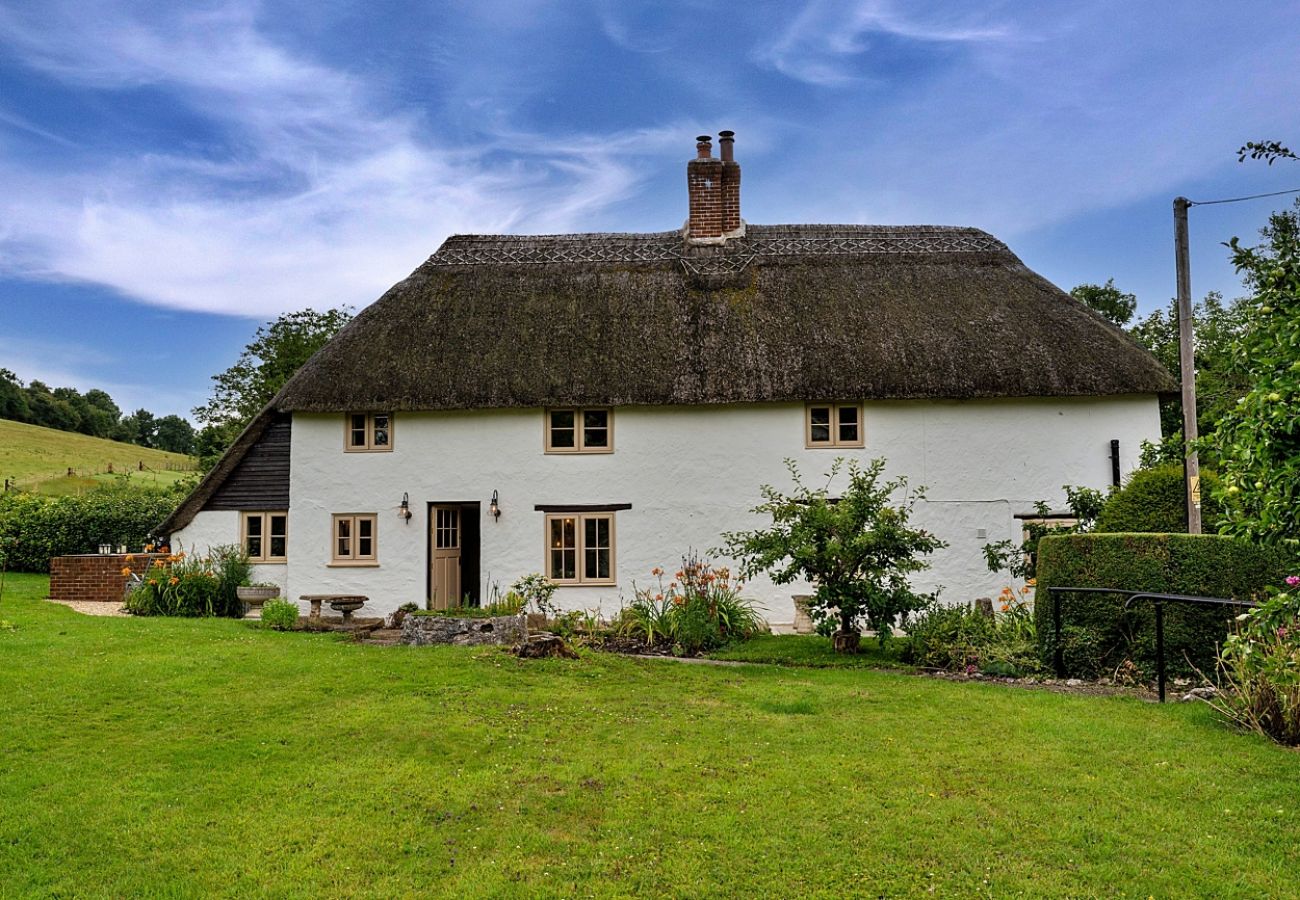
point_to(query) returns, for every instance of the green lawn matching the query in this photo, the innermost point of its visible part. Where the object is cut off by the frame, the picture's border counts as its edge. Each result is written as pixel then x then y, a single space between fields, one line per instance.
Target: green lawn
pixel 812 651
pixel 39 458
pixel 186 758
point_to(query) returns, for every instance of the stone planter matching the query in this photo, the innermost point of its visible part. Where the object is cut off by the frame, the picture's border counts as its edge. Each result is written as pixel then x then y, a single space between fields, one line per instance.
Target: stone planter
pixel 803 623
pixel 420 631
pixel 254 597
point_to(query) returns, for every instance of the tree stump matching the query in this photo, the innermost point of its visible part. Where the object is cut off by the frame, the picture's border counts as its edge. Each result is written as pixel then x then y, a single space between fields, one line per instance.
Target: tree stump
pixel 984 606
pixel 544 644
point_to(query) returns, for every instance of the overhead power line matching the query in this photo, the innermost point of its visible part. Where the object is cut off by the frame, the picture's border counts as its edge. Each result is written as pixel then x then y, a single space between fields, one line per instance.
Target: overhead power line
pixel 1239 199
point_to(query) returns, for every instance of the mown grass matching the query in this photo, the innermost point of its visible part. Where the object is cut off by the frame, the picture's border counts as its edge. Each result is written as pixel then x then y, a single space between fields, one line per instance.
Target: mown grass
pixel 185 758
pixel 38 459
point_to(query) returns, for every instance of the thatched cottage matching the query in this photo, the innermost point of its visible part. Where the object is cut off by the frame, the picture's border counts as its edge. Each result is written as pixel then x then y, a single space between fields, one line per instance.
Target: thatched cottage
pixel 591 406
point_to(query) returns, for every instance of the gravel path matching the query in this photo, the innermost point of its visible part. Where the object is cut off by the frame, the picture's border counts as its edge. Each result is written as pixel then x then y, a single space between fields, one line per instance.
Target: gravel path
pixel 91 608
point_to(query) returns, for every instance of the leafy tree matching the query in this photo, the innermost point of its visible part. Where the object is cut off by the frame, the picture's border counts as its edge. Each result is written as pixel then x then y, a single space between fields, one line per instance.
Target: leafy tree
pixel 1216 326
pixel 1271 151
pixel 857 550
pixel 138 428
pixel 277 351
pixel 50 411
pixel 175 434
pixel 13 398
pixel 1108 300
pixel 1258 439
pixel 102 411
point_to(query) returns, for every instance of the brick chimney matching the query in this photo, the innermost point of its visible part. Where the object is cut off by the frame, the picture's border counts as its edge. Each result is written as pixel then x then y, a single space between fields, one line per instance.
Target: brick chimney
pixel 731 224
pixel 704 188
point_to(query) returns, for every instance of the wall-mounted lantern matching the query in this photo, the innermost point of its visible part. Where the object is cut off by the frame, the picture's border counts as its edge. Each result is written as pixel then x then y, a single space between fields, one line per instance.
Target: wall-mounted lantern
pixel 494 508
pixel 404 511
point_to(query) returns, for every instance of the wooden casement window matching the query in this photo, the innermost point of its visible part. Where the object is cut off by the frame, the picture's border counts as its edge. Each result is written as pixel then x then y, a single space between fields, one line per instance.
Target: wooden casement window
pixel 355 540
pixel 368 432
pixel 579 431
pixel 265 536
pixel 833 425
pixel 580 548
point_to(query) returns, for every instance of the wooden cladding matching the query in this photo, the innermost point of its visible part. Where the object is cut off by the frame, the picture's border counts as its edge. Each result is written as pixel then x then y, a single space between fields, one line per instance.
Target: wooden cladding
pixel 261 480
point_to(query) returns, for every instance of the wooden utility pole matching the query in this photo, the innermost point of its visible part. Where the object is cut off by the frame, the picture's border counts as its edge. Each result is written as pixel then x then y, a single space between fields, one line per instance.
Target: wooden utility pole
pixel 1187 365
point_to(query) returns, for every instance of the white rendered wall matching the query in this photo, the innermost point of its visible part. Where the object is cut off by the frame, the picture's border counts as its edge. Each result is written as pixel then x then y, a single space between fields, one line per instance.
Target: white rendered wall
pixel 690 474
pixel 213 528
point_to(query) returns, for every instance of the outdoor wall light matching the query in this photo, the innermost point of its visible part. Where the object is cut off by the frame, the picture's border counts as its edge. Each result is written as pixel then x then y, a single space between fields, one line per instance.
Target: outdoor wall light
pixel 494 508
pixel 404 511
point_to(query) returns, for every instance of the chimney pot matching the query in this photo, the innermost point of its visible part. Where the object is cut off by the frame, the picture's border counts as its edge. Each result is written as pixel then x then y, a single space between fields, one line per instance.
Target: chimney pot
pixel 704 147
pixel 726 145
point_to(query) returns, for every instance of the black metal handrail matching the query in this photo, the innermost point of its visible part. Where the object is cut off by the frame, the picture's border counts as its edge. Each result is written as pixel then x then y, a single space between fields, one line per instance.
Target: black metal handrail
pixel 1159 600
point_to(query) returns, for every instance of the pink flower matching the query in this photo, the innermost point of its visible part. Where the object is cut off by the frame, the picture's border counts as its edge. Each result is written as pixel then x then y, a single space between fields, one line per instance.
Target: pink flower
pixel 1292 580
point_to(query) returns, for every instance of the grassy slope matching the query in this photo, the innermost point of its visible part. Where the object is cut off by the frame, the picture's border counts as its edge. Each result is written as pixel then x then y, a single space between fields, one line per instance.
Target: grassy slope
pixel 194 757
pixel 37 457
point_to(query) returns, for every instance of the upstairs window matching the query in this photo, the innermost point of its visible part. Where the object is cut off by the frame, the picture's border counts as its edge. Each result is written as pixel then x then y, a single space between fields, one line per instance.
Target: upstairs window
pixel 265 536
pixel 833 425
pixel 369 431
pixel 355 540
pixel 580 548
pixel 579 431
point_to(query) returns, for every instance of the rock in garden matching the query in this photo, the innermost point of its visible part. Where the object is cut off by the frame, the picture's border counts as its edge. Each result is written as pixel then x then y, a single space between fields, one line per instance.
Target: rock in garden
pixel 1204 692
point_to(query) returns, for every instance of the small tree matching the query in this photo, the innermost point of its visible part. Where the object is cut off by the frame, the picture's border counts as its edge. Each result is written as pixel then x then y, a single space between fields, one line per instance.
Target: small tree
pixel 857 549
pixel 1110 301
pixel 1258 439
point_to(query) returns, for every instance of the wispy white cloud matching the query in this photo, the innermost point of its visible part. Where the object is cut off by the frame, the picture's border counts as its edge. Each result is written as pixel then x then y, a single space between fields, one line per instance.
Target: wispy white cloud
pixel 826 42
pixel 351 195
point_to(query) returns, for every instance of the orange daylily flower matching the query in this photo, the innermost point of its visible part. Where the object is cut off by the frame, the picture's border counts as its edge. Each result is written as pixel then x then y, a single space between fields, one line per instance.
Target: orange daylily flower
pixel 173 580
pixel 126 570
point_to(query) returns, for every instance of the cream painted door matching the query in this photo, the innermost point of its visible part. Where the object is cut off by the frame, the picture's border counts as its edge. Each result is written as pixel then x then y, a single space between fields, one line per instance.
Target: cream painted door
pixel 444 559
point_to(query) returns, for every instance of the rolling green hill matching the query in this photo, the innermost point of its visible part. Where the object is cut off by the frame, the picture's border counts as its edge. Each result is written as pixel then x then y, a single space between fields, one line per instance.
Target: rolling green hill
pixel 39 458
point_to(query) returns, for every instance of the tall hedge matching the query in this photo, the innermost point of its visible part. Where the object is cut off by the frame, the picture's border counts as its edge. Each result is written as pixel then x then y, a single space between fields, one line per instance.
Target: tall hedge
pixel 1152 500
pixel 34 528
pixel 1098 634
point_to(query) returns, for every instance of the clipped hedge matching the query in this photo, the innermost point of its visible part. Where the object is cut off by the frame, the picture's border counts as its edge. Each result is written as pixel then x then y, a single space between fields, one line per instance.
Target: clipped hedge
pixel 1152 500
pixel 34 528
pixel 1098 634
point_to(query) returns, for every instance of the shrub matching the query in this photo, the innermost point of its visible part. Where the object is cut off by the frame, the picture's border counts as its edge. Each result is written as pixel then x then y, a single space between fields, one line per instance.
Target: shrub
pixel 962 638
pixel 279 615
pixel 511 604
pixel 1259 668
pixel 43 527
pixel 536 591
pixel 183 585
pixel 858 550
pixel 700 610
pixel 1098 634
pixel 1152 500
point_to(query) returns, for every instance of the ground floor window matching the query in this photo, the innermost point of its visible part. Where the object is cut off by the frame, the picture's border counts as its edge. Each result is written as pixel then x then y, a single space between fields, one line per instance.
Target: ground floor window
pixel 355 539
pixel 265 536
pixel 580 548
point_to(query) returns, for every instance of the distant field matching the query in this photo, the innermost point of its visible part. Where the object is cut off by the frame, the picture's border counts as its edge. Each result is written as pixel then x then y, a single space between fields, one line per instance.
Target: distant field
pixel 39 458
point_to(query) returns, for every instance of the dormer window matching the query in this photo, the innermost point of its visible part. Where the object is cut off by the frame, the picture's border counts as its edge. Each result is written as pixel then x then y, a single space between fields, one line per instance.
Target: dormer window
pixel 368 432
pixel 833 425
pixel 579 431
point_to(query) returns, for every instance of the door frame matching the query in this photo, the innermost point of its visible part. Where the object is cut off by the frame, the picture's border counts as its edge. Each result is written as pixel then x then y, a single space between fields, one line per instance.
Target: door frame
pixel 468 547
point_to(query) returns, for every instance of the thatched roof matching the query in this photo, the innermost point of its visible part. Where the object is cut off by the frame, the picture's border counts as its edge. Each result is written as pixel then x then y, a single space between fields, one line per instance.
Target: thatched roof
pixel 786 313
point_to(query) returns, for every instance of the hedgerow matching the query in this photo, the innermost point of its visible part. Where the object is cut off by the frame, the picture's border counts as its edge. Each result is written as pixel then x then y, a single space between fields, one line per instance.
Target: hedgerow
pixel 34 528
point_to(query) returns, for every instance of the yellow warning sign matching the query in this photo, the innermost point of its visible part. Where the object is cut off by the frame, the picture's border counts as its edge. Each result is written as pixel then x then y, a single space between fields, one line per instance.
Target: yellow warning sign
pixel 1195 485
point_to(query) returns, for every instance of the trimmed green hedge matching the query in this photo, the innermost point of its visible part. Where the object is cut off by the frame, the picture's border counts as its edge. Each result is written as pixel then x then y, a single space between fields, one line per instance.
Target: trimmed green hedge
pixel 34 528
pixel 1152 501
pixel 1098 634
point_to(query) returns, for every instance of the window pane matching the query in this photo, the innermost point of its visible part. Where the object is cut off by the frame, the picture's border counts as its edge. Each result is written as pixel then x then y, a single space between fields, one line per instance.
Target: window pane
pixel 277 547
pixel 819 424
pixel 570 567
pixel 602 564
pixel 589 565
pixel 343 533
pixel 381 431
pixel 562 429
pixel 595 428
pixel 557 564
pixel 357 431
pixel 253 546
pixel 365 537
pixel 254 526
pixel 848 432
pixel 344 550
pixel 365 547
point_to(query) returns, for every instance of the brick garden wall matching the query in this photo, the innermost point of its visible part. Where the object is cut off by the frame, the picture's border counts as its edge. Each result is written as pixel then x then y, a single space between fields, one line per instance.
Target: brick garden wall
pixel 95 577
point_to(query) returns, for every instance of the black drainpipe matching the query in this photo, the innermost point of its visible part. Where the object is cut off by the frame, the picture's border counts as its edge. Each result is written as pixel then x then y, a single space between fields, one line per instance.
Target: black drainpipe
pixel 1114 463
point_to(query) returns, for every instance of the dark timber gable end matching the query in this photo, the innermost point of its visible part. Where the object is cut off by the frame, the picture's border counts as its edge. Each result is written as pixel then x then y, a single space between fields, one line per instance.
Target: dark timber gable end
pixel 261 480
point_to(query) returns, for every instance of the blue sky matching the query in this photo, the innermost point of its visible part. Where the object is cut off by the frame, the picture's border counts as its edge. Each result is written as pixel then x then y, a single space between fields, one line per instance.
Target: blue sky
pixel 171 174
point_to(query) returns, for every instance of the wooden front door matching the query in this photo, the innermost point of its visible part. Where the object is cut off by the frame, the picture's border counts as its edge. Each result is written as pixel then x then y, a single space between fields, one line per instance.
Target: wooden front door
pixel 444 558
